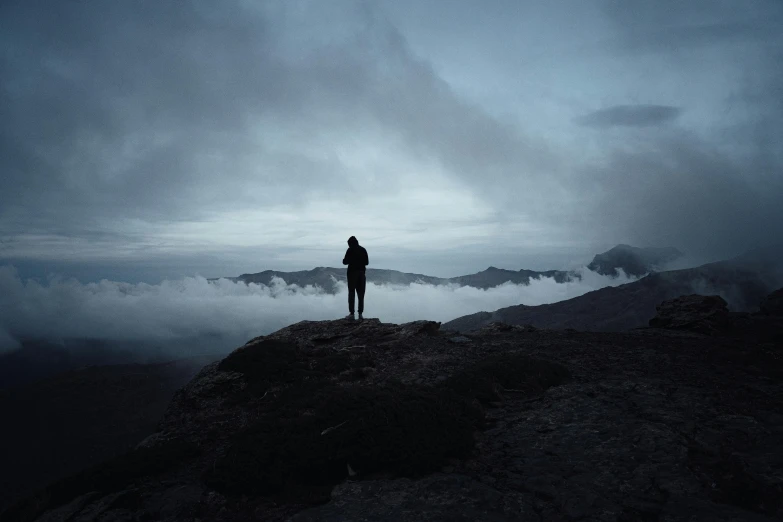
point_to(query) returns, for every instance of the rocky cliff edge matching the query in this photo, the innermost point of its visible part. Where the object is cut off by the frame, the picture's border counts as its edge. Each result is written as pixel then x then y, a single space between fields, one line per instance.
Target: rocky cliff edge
pixel 341 420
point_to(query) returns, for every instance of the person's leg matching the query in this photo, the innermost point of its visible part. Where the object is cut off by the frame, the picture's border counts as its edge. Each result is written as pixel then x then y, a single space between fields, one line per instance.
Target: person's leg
pixel 351 291
pixel 361 284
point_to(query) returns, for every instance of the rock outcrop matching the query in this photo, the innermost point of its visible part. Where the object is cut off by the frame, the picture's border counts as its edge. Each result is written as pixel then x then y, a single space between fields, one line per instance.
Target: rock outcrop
pixel 773 304
pixel 708 314
pixel 341 420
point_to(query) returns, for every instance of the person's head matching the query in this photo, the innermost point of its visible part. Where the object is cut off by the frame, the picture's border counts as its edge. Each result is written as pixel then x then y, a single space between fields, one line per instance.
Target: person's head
pixel 352 241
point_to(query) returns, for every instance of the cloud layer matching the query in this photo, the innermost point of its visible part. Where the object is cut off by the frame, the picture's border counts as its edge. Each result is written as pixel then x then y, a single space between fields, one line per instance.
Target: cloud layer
pixel 272 132
pixel 228 314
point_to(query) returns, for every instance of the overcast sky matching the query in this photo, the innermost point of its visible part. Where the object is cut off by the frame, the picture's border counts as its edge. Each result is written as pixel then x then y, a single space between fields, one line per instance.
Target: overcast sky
pixel 141 140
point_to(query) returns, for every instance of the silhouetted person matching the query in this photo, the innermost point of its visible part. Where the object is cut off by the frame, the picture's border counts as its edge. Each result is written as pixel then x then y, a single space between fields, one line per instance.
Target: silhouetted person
pixel 356 259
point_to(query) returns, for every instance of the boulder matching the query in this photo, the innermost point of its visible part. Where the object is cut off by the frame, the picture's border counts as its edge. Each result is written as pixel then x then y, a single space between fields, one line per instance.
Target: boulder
pixel 707 314
pixel 773 303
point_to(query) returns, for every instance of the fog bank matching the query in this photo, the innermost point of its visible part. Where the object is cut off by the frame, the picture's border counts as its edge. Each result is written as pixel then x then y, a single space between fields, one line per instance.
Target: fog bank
pixel 175 312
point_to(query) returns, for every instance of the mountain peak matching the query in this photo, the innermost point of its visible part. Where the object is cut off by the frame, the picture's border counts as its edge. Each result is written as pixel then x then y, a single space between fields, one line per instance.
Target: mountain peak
pixel 632 260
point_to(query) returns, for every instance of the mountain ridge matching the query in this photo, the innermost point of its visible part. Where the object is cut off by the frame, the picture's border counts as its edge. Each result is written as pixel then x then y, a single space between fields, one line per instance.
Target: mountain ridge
pixel 630 260
pixel 328 277
pixel 632 304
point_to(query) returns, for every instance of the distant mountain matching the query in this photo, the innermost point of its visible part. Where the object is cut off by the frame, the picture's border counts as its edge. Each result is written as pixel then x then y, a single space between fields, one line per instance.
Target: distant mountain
pixel 632 260
pixel 767 261
pixel 326 277
pixel 492 277
pixel 633 304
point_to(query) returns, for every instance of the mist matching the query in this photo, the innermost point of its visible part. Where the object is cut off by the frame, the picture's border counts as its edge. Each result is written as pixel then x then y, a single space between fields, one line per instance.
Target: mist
pixel 195 314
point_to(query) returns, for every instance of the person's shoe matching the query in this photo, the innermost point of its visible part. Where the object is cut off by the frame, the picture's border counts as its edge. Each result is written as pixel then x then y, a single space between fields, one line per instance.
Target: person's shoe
pixel 350 317
pixel 360 316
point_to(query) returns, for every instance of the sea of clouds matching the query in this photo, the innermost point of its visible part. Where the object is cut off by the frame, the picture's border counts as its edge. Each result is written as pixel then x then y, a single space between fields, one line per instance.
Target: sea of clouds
pixel 225 314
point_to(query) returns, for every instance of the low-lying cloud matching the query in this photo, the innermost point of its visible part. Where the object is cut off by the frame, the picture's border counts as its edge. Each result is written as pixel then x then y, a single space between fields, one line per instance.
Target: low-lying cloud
pixel 227 314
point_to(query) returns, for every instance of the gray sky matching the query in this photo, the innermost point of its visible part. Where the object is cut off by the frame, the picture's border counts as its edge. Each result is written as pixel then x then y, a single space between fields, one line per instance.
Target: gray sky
pixel 143 140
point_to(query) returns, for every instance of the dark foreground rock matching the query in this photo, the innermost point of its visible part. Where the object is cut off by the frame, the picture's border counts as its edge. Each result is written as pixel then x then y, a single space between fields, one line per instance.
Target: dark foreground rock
pixel 52 428
pixel 339 420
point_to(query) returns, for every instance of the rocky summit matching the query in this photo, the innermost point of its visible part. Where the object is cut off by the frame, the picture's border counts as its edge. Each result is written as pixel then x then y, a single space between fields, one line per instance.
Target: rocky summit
pixel 342 420
pixel 632 260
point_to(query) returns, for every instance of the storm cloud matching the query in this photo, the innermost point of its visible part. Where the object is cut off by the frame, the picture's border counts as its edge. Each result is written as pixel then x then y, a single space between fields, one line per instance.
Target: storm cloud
pixel 235 137
pixel 630 116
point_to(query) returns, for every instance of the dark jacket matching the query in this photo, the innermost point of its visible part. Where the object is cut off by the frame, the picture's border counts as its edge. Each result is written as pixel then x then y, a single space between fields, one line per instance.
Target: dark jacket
pixel 356 258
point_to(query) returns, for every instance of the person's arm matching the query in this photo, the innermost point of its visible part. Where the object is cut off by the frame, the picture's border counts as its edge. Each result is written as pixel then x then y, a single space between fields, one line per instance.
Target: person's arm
pixel 345 259
pixel 366 258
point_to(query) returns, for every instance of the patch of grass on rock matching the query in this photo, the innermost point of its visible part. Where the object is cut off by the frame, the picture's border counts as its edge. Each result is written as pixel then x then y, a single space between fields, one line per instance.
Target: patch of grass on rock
pixel 301 448
pixel 487 380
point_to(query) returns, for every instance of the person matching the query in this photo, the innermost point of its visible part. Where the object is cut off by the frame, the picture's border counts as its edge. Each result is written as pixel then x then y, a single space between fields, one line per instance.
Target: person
pixel 356 259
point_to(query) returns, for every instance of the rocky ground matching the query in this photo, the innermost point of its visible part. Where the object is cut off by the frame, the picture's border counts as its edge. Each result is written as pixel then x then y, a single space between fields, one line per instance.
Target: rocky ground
pixel 341 420
pixel 54 427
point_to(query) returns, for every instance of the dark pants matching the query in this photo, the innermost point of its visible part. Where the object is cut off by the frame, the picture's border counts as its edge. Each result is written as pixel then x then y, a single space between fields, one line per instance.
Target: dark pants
pixel 356 284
